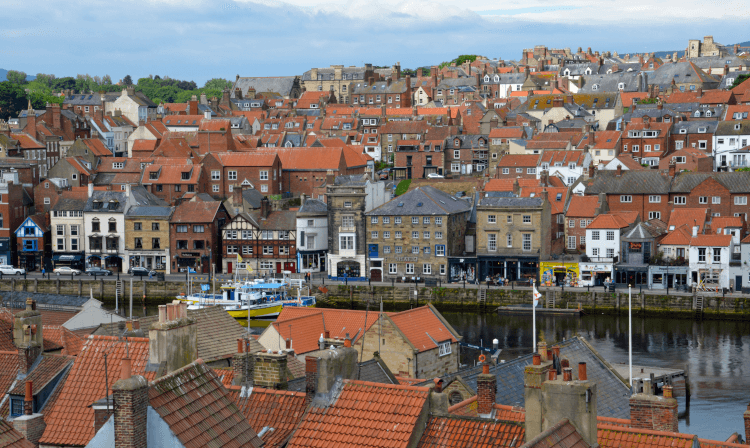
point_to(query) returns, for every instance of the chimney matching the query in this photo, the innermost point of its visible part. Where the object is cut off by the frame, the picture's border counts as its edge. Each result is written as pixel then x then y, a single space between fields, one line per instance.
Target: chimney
pixel 270 370
pixel 516 186
pixel 127 190
pixel 700 91
pixel 557 101
pixel 648 411
pixel 91 189
pixel 672 169
pixel 330 178
pixel 193 105
pixel 324 367
pixel 31 120
pixel 243 363
pixel 486 389
pixel 238 93
pixel 207 115
pixel 438 400
pixel 27 336
pixel 534 377
pixel 574 399
pixel 173 339
pixel 130 396
pixel 265 207
pixel 569 98
pixel 30 425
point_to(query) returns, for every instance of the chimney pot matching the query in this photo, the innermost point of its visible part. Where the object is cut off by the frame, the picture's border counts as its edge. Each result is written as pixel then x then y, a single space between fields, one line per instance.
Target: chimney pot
pixel 542 350
pixel 288 343
pixel 552 374
pixel 328 334
pixel 162 313
pixel 537 359
pixel 582 371
pixel 28 401
pixel 567 374
pixel 127 369
pixel 564 363
pixel 347 342
pixel 438 385
pixel 667 391
pixel 556 350
pixel 240 346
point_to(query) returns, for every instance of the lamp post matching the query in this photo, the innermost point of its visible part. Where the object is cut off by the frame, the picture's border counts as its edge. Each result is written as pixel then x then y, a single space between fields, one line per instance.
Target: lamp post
pixel 630 338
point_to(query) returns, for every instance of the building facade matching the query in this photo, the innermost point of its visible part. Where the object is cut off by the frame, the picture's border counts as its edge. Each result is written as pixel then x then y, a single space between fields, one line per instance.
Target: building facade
pixel 147 237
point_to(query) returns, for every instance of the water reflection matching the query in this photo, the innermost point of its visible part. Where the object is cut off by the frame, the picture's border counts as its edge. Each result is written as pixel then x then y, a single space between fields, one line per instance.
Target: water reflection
pixel 716 354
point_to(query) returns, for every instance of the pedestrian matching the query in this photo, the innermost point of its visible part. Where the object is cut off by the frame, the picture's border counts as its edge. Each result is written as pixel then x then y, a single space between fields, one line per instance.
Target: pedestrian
pixel 43 271
pixel 150 275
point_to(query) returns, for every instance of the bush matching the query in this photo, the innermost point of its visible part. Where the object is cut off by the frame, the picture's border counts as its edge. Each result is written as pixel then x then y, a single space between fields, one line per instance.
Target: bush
pixel 403 187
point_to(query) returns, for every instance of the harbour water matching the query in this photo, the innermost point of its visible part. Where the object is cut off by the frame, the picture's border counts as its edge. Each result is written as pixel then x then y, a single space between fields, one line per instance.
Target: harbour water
pixel 715 353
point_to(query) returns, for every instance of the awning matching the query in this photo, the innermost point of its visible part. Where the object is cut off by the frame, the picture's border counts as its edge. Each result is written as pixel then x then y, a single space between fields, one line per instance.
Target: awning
pixel 60 257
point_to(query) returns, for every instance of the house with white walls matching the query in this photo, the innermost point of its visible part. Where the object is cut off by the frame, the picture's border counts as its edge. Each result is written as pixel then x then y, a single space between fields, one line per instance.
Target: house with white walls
pixel 709 259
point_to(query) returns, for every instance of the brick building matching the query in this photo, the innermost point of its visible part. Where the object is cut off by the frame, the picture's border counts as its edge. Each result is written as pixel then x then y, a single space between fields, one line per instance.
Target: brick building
pixel 646 141
pixel 194 238
pixel 47 193
pixel 172 183
pixel 223 172
pixel 147 237
pixel 581 211
pixel 416 160
pixel 512 166
pixel 393 131
pixel 394 93
pixel 414 234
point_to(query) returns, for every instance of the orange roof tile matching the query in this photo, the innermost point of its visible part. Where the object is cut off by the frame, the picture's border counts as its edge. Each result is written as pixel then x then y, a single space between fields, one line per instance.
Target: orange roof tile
pixel 25 141
pixel 215 125
pixel 408 381
pixel 365 415
pixel 199 410
pixel 421 326
pixel 171 174
pixel 562 434
pixel 628 97
pixel 8 369
pixel 278 409
pixel 688 216
pixel 508 132
pixel 71 420
pixel 183 120
pixel 141 145
pixel 457 432
pixel 11 438
pixel 196 211
pixel 716 97
pixel 608 221
pixel 582 206
pixel 355 157
pixel 309 158
pixel 507 184
pixel 610 436
pixel 711 240
pixel 519 160
pixel 97 147
pixel 62 338
pixel 49 367
pixel 677 237
pixel 304 331
pixel 722 222
pixel 337 322
pixel 736 108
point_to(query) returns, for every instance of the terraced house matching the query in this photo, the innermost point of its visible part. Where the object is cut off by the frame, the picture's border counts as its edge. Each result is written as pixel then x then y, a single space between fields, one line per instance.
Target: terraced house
pixel 147 237
pixel 414 235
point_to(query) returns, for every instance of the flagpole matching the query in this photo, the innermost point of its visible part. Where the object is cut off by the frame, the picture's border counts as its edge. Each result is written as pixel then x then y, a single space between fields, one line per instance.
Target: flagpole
pixel 533 315
pixel 630 338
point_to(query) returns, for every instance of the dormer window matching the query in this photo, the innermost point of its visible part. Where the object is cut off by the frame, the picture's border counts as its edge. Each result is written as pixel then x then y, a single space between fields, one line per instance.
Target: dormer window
pixel 486 78
pixel 708 113
pixel 186 175
pixel 621 86
pixel 153 175
pixel 497 78
pixel 683 131
pixel 595 87
pixel 118 165
pixel 701 130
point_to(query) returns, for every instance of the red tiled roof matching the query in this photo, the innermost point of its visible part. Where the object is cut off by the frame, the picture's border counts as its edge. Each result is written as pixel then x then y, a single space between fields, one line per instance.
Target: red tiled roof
pixel 215 125
pixel 71 420
pixel 507 132
pixel 278 409
pixel 722 222
pixel 176 107
pixel 337 322
pixel 460 432
pixel 556 206
pixel 10 438
pixel 562 434
pixel 198 409
pixel 507 184
pixel 629 162
pixel 421 326
pixel 304 331
pixel 355 157
pixel 628 97
pixel 309 158
pixel 609 221
pixel 610 436
pixel 141 145
pixel 466 408
pixel 196 212
pixel 8 369
pixel 365 415
pixel 97 147
pixel 225 375
pixel 171 174
pixel 183 120
pixel 736 108
pixel 688 216
pixel 582 206
pixel 63 338
pixel 716 97
pixel 677 237
pixel 48 368
pixel 542 144
pixel 711 240
pixel 25 141
pixel 519 160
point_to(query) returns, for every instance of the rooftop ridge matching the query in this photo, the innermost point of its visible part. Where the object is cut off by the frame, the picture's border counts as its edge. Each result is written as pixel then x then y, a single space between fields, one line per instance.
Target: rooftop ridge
pixel 386 386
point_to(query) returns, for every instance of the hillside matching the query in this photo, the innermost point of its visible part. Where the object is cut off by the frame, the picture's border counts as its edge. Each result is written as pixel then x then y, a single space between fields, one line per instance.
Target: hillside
pixel 4 72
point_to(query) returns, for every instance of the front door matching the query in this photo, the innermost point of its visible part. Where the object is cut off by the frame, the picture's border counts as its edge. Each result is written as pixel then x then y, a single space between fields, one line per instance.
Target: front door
pixel 737 282
pixel 278 267
pixel 373 250
pixel 229 267
pixel 376 275
pixel 289 266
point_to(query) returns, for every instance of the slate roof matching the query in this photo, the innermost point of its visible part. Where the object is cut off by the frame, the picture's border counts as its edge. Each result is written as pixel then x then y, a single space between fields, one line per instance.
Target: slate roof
pixel 692 127
pixel 199 410
pixel 328 73
pixel 49 367
pixel 376 371
pixel 276 220
pixel 387 414
pixel 313 206
pixel 150 211
pixel 71 421
pixel 680 72
pixel 114 200
pixel 633 182
pixel 278 410
pixel 610 82
pixel 613 394
pixel 432 200
pixel 728 127
pixel 460 432
pixel 19 298
pixel 10 438
pixel 510 202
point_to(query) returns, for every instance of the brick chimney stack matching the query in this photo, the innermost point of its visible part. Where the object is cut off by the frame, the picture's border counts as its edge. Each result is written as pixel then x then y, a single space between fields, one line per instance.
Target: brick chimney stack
pixel 533 378
pixel 648 411
pixel 270 370
pixel 438 400
pixel 243 363
pixel 619 170
pixel 324 367
pixel 130 405
pixel 486 389
pixel 27 336
pixel 30 425
pixel 574 399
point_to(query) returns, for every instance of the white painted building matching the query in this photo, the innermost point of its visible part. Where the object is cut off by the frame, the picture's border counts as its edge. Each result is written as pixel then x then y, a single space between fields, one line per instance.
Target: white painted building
pixel 709 258
pixel 730 136
pixel 603 238
pixel 312 235
pixel 66 225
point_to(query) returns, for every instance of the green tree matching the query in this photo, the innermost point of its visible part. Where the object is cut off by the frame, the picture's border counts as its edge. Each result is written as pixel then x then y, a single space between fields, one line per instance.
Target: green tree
pixel 739 80
pixel 12 100
pixel 127 80
pixel 217 84
pixel 465 58
pixel 16 77
pixel 106 80
pixel 45 79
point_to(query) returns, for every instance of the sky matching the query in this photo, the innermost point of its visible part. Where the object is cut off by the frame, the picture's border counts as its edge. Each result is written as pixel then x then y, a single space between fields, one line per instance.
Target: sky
pixel 203 39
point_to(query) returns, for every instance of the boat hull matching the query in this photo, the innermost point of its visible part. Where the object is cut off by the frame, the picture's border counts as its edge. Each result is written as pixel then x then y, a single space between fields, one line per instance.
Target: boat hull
pixel 270 311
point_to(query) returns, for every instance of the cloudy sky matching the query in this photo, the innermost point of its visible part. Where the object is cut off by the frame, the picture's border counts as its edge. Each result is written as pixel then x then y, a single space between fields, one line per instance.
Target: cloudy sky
pixel 201 39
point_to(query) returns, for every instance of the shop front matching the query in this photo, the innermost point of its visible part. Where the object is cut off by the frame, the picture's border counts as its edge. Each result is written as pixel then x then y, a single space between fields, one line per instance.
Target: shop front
pixel 188 262
pixel 555 273
pixel 311 261
pixel 113 263
pixel 462 268
pixel 661 277
pixel 348 269
pixel 512 269
pixel 75 261
pixel 595 274
pixel 151 260
pixel 636 276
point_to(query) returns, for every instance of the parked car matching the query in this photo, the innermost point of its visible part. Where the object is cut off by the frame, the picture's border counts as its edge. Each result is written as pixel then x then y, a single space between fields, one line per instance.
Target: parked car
pixel 435 176
pixel 98 271
pixel 140 271
pixel 66 270
pixel 6 269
